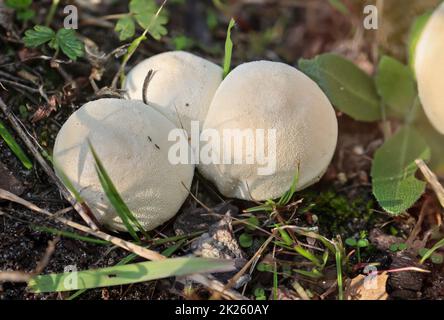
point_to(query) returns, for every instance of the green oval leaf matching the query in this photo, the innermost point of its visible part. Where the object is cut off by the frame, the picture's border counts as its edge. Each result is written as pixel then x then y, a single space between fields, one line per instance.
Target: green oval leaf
pixel 245 240
pixel 396 85
pixel 349 88
pixel 393 171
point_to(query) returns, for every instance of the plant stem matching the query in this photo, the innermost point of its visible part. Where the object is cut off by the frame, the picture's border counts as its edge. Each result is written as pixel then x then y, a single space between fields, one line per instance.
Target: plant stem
pixel 52 11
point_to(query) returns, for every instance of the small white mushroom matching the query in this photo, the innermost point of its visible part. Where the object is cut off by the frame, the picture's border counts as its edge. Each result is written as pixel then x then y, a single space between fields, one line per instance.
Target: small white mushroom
pixel 182 86
pixel 429 68
pixel 269 95
pixel 131 139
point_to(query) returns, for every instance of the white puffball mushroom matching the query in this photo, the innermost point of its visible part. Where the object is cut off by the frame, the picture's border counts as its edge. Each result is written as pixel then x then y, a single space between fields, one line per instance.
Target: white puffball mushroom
pixel 270 95
pixel 429 68
pixel 182 86
pixel 131 140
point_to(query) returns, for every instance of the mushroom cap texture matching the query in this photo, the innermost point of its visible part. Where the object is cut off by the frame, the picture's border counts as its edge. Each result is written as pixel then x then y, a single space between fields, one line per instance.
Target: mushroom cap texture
pixel 429 68
pixel 182 87
pixel 131 140
pixel 271 95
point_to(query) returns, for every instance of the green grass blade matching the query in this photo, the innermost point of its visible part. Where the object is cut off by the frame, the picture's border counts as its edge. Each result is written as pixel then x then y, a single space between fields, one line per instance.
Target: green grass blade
pixel 228 48
pixel 285 199
pixel 275 282
pixel 15 148
pixel 168 252
pixel 116 200
pixel 314 274
pixel 68 184
pixel 68 234
pixel 122 262
pixel 307 255
pixel 127 274
pixel 338 257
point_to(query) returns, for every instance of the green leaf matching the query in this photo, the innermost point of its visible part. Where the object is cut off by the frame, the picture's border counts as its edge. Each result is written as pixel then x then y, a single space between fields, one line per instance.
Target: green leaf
pixel 351 242
pixel 396 85
pixel 228 48
pixel 252 223
pixel 18 4
pixel 69 43
pixel 264 267
pixel 126 274
pixel 25 15
pixel 245 240
pixel 182 42
pixel 158 29
pixel 340 6
pixel 415 34
pixel 349 88
pixel 125 27
pixel 436 259
pixel 425 254
pixel 362 243
pixel 15 148
pixel 37 36
pixel 393 171
pixel 144 11
pixel 259 294
pixel 114 197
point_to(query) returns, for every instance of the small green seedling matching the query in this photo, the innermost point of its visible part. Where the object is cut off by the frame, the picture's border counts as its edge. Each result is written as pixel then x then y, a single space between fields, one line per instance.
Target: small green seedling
pixel 259 294
pixel 397 247
pixel 358 244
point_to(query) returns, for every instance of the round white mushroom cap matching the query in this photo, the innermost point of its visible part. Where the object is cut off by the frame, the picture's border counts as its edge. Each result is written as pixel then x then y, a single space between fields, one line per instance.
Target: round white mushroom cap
pixel 182 86
pixel 131 140
pixel 429 68
pixel 269 95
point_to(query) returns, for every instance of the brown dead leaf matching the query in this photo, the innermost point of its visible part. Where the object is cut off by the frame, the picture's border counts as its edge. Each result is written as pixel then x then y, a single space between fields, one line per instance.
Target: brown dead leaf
pixel 46 109
pixel 367 287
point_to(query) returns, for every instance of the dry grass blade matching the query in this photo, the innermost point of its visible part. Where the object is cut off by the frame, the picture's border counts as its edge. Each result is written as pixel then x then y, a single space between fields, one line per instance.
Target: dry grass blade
pixel 129 246
pixel 83 212
pixel 432 179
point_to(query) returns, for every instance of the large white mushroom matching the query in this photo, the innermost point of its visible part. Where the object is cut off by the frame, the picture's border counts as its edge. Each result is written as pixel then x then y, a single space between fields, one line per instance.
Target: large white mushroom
pixel 131 139
pixel 269 95
pixel 182 86
pixel 429 68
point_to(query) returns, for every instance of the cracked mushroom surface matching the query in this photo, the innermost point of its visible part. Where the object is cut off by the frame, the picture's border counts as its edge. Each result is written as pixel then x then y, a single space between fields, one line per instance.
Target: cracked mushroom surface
pixel 429 68
pixel 264 95
pixel 182 85
pixel 131 140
